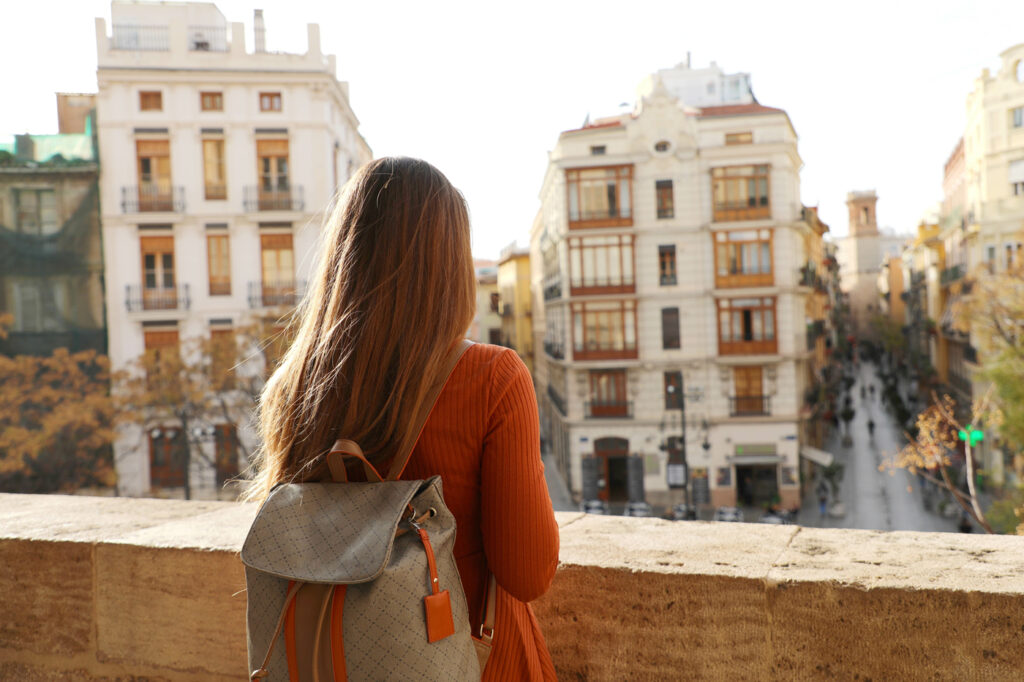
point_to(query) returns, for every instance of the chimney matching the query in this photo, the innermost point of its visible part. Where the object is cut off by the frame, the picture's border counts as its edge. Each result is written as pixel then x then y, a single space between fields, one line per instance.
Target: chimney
pixel 259 31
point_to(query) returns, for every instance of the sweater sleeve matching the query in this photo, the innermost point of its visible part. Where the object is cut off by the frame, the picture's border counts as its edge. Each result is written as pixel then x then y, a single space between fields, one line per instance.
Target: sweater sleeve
pixel 519 530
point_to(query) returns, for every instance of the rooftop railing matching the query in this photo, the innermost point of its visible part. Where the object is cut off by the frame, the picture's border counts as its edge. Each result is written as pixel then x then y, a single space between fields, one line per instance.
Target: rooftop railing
pixel 141 38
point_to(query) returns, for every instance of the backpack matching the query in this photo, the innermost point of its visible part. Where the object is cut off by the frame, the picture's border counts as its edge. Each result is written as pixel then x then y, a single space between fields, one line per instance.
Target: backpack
pixel 357 580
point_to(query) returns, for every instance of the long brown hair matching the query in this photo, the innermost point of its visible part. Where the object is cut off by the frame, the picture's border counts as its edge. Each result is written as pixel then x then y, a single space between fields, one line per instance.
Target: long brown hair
pixel 394 290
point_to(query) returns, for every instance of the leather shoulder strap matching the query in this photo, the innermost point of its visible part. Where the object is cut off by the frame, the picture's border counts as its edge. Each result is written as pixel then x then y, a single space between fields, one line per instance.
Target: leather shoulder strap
pixel 398 465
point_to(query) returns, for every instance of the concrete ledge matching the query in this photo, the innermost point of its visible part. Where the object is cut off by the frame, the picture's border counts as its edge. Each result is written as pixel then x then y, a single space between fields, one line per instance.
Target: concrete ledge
pixel 113 589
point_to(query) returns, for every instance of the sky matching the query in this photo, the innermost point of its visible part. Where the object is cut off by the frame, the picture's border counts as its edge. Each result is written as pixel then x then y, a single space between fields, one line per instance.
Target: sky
pixel 876 90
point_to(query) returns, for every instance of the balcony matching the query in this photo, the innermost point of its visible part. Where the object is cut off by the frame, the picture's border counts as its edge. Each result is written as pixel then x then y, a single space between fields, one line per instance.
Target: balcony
pixel 506 310
pixel 735 280
pixel 750 406
pixel 555 349
pixel 552 290
pixel 275 294
pixel 727 212
pixel 951 274
pixel 762 347
pixel 139 38
pixel 594 352
pixel 152 198
pixel 138 298
pixel 258 199
pixel 632 598
pixel 557 400
pixel 603 286
pixel 815 330
pixel 208 38
pixel 608 409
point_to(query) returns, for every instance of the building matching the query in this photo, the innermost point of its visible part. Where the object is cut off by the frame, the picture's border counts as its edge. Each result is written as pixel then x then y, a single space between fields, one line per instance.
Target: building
pixel 515 303
pixel 861 254
pixel 51 260
pixel 674 268
pixel 486 327
pixel 207 223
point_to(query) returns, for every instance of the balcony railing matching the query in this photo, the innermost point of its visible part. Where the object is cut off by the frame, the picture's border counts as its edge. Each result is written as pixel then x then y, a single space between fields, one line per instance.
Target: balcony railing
pixel 815 330
pixel 594 352
pixel 744 279
pixel 951 274
pixel 208 38
pixel 608 409
pixel 215 191
pixel 152 198
pixel 140 38
pixel 740 347
pixel 750 406
pixel 734 211
pixel 274 294
pixel 506 310
pixel 280 199
pixel 603 285
pixel 139 298
pixel 555 349
pixel 552 290
pixel 556 400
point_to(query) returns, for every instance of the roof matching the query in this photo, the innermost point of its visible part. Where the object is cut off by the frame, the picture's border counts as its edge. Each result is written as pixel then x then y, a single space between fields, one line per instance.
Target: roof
pixel 600 123
pixel 738 110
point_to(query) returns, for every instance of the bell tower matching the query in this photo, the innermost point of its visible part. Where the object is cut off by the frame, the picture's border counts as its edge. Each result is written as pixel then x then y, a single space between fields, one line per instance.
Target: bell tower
pixel 863 222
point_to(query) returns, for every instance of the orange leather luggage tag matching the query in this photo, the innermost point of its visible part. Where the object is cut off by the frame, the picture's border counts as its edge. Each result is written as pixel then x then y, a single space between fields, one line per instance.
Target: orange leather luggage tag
pixel 439 616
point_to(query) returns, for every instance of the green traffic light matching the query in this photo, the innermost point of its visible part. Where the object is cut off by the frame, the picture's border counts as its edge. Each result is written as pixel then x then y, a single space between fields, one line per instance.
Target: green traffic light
pixel 975 435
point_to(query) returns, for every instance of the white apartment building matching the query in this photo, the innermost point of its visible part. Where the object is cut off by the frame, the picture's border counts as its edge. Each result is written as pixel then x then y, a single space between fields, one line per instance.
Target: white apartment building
pixel 218 165
pixel 672 299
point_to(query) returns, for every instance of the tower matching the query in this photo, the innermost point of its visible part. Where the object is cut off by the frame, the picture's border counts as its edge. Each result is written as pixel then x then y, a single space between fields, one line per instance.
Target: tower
pixel 863 221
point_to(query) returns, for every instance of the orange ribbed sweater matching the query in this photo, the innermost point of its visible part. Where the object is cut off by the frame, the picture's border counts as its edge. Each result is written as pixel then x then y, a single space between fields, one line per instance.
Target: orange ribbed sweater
pixel 483 439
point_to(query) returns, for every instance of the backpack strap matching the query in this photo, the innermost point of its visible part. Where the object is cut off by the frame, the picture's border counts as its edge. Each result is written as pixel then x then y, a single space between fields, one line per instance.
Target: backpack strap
pixel 400 462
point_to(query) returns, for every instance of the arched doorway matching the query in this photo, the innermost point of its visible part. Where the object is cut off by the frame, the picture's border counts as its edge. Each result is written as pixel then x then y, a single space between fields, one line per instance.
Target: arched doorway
pixel 612 454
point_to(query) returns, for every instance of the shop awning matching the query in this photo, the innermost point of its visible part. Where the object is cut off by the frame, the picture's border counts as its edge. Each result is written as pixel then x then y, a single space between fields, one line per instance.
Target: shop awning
pixel 744 460
pixel 817 456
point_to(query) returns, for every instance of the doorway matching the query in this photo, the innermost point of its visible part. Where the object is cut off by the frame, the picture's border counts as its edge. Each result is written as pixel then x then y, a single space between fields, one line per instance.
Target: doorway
pixel 612 454
pixel 757 485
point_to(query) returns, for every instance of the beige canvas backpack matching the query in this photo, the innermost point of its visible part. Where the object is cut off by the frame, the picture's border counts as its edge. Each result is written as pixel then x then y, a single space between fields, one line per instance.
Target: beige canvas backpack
pixel 357 580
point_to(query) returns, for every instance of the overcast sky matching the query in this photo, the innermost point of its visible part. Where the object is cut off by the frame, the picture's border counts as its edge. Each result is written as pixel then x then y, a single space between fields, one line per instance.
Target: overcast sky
pixel 876 91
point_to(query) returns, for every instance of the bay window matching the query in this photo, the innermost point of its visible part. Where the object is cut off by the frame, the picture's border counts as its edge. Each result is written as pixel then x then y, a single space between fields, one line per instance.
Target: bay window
pixel 746 326
pixel 601 265
pixel 740 193
pixel 743 258
pixel 604 330
pixel 600 197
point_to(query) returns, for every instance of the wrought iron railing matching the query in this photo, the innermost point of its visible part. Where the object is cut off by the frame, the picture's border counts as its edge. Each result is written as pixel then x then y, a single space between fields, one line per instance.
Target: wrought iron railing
pixel 608 409
pixel 750 405
pixel 556 400
pixel 140 298
pixel 140 38
pixel 274 294
pixel 552 290
pixel 152 198
pixel 951 274
pixel 208 38
pixel 258 198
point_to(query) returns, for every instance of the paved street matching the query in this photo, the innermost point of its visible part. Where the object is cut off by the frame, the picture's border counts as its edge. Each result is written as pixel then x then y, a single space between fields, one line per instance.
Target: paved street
pixel 876 500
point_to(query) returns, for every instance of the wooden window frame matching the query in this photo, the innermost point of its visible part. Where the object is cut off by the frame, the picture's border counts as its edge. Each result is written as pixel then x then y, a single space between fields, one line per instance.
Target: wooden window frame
pixel 281 289
pixel 582 345
pixel 745 401
pixel 211 100
pixel 163 471
pixel 163 295
pixel 271 101
pixel 578 258
pixel 667 264
pixel 734 182
pixel 617 405
pixel 218 286
pixel 745 137
pixel 215 191
pixel 671 336
pixel 225 448
pixel 673 399
pixel 731 246
pixel 624 188
pixel 151 100
pixel 664 195
pixel 733 343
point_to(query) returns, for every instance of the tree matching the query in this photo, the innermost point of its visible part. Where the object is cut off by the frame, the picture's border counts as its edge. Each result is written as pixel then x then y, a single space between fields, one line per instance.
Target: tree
pixel 56 422
pixel 192 389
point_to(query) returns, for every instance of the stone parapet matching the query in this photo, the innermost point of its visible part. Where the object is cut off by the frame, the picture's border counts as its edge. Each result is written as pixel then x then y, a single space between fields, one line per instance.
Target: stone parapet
pixel 113 589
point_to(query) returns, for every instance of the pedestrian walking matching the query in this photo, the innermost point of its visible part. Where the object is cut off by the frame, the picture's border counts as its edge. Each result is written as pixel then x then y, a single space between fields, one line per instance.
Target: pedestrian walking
pixel 871 428
pixel 822 499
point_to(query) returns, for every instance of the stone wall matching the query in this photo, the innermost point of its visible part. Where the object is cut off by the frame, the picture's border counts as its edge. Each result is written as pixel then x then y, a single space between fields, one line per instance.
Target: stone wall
pixel 121 589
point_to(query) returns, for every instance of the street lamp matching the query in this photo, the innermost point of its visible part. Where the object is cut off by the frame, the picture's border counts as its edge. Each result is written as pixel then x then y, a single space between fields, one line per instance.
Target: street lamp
pixel 677 471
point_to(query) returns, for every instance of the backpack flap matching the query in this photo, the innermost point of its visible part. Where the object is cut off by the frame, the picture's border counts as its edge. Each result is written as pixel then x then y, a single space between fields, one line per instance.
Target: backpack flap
pixel 338 533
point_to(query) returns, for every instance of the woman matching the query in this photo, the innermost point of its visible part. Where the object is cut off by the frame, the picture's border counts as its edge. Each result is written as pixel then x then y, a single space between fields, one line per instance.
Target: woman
pixel 394 292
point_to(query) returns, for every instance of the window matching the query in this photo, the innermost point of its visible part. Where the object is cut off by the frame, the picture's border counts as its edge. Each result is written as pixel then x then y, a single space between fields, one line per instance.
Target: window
pixel 226 452
pixel 219 264
pixel 663 191
pixel 495 302
pixel 746 326
pixel 270 101
pixel 604 330
pixel 743 258
pixel 601 264
pixel 662 146
pixel 162 348
pixel 667 264
pixel 494 336
pixel 39 306
pixel 1016 176
pixel 669 328
pixel 608 393
pixel 740 193
pixel 168 457
pixel 158 286
pixel 990 254
pixel 36 211
pixel 278 269
pixel 597 150
pixel 739 138
pixel 274 187
pixel 600 197
pixel 1017 117
pixel 153 158
pixel 211 101
pixel 214 172
pixel 151 100
pixel 673 390
pixel 749 398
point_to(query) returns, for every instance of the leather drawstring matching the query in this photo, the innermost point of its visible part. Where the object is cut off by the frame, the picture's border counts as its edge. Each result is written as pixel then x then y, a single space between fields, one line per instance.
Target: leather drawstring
pixel 261 672
pixel 328 593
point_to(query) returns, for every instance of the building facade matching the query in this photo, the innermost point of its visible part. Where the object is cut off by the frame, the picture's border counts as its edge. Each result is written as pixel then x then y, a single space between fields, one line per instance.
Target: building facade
pixel 207 222
pixel 515 301
pixel 51 260
pixel 486 327
pixel 674 268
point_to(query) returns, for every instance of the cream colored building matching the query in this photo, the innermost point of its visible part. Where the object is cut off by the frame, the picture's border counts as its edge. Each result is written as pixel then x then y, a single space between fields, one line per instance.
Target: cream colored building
pixel 486 327
pixel 219 161
pixel 671 302
pixel 515 302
